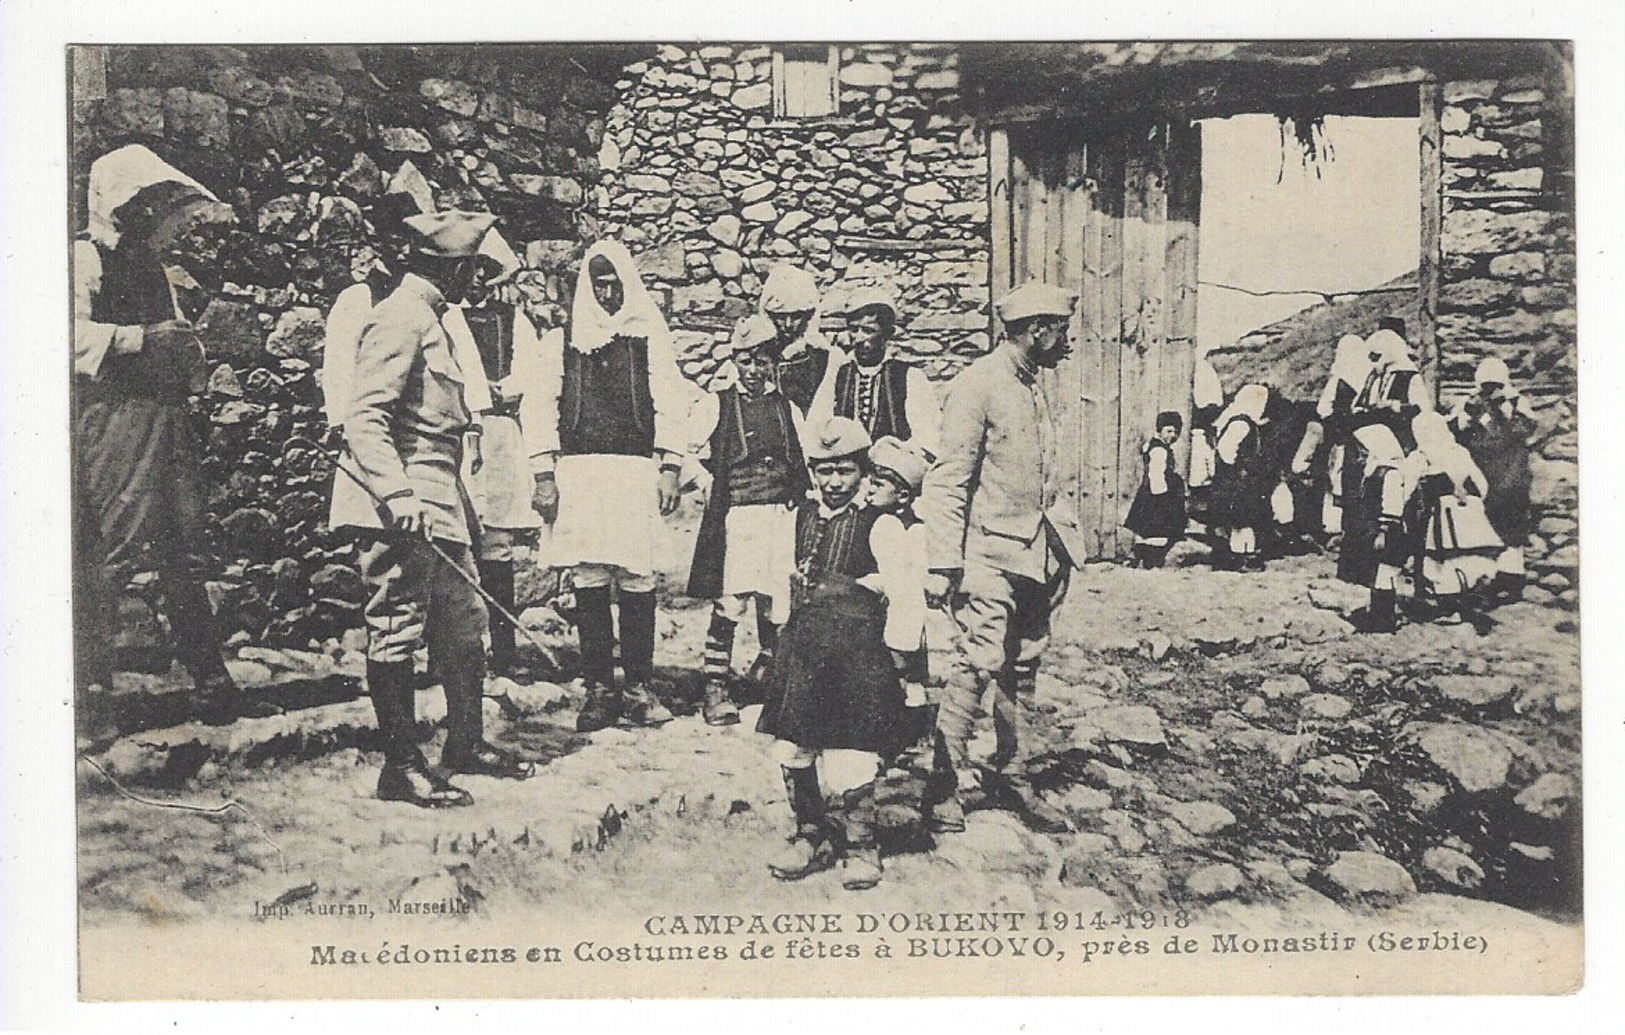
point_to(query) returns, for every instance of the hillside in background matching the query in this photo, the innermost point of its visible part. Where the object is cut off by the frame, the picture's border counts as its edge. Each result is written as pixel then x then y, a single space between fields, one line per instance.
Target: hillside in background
pixel 1295 354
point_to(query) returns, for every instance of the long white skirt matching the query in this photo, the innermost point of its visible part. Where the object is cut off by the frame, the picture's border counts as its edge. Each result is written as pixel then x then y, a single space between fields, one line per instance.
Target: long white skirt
pixel 609 512
pixel 760 553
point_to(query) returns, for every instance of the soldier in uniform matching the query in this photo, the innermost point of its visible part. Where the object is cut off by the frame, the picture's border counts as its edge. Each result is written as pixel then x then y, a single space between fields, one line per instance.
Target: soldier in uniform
pixel 139 496
pixel 889 396
pixel 1002 538
pixel 400 485
pixel 803 357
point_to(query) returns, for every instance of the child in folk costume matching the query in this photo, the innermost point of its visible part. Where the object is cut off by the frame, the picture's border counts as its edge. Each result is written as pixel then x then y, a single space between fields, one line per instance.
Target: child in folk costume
pixel 835 703
pixel 1157 515
pixel 1242 478
pixel 749 439
pixel 1459 547
pixel 499 477
pixel 1495 425
pixel 612 437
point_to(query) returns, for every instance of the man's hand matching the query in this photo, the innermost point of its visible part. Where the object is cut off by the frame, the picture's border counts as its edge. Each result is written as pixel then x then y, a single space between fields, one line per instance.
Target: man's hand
pixel 939 587
pixel 546 497
pixel 410 515
pixel 667 490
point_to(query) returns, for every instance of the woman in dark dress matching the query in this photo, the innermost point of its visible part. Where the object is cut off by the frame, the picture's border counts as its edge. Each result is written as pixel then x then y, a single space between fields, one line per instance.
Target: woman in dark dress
pixel 1495 425
pixel 1242 479
pixel 1157 515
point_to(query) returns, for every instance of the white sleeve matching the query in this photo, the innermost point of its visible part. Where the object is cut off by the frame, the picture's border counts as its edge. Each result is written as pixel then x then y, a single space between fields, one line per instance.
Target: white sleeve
pixel 476 389
pixel 345 322
pixel 924 412
pixel 1156 472
pixel 1231 441
pixel 699 426
pixel 526 379
pixel 901 558
pixel 671 400
pixel 544 443
pixel 91 340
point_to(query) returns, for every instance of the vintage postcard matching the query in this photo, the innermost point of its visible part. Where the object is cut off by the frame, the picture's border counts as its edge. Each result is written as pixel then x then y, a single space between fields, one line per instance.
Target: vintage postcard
pixel 835 518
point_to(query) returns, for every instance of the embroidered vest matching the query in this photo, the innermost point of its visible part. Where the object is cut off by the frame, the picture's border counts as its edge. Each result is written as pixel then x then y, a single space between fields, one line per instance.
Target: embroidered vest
pixel 878 402
pixel 606 405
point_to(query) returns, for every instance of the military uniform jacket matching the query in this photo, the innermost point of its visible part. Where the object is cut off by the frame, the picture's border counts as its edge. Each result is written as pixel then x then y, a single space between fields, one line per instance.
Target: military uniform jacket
pixel 404 431
pixel 996 492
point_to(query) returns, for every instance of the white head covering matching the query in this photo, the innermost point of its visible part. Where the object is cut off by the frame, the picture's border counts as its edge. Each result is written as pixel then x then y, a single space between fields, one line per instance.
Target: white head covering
pixel 1392 351
pixel 1492 370
pixel 638 317
pixel 1249 402
pixel 496 247
pixel 120 175
pixel 1349 367
pixel 836 437
pixel 1206 389
pixel 1380 443
pixel 790 289
pixel 1436 443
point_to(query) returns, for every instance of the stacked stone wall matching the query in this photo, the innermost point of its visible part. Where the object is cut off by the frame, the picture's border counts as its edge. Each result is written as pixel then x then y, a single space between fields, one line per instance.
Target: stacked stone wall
pixel 712 191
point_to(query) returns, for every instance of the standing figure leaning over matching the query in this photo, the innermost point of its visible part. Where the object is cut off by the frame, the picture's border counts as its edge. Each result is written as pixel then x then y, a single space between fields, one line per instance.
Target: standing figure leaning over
pixel 803 357
pixel 139 496
pixel 611 445
pixel 749 439
pixel 499 477
pixel 404 432
pixel 1003 539
pixel 889 396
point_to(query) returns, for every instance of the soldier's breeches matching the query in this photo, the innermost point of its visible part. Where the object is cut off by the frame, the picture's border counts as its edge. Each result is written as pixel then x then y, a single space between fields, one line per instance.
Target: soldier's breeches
pixel 417 597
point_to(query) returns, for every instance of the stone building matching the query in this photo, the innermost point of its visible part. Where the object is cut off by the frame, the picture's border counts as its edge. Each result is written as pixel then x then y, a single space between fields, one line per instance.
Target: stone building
pixel 950 171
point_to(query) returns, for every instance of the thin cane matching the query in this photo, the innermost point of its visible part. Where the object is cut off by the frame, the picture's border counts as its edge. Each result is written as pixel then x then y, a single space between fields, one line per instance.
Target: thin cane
pixel 462 573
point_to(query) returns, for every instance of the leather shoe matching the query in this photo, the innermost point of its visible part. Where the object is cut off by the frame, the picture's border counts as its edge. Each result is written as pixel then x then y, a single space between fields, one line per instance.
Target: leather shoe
pixel 600 710
pixel 488 760
pixel 640 707
pixel 719 709
pixel 414 783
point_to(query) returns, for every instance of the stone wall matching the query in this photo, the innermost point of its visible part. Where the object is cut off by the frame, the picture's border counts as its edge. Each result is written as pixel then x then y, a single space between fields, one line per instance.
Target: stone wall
pixel 299 142
pixel 1507 279
pixel 711 191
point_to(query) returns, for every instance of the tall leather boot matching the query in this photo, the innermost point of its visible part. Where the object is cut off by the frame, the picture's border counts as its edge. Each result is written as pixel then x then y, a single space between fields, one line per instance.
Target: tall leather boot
pixel 197 645
pixel 860 859
pixel 496 578
pixel 595 630
pixel 1380 615
pixel 405 776
pixel 956 722
pixel 640 706
pixel 718 707
pixel 466 750
pixel 810 849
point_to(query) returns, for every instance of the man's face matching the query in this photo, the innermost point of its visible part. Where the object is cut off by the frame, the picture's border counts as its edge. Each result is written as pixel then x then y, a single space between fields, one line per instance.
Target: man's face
pixel 883 493
pixel 459 279
pixel 871 330
pixel 608 290
pixel 790 325
pixel 755 368
pixel 837 481
pixel 1051 340
pixel 1168 433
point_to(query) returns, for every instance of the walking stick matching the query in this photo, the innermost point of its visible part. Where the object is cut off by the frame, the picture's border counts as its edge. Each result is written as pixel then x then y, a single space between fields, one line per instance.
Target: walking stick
pixel 462 572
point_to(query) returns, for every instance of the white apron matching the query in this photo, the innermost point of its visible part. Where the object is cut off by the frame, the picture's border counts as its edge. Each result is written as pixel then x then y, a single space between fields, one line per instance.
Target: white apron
pixel 609 512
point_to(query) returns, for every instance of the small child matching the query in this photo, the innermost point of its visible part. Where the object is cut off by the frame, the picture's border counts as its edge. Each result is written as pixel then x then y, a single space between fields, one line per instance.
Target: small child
pixel 1460 547
pixel 749 440
pixel 835 702
pixel 1157 516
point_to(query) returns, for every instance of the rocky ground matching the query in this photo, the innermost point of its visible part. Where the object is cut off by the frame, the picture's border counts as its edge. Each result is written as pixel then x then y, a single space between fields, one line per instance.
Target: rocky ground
pixel 1222 742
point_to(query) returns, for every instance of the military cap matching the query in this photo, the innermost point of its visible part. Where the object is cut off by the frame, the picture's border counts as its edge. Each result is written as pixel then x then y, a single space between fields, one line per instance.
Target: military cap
pixel 835 438
pixel 869 298
pixel 453 234
pixel 1035 298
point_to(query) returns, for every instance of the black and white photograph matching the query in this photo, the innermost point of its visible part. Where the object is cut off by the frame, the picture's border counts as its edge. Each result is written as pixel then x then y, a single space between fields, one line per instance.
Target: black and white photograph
pixel 842 517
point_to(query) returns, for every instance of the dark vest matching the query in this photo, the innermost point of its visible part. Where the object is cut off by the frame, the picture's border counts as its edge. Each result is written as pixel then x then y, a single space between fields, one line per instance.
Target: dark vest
pixel 755 440
pixel 836 547
pixel 492 328
pixel 135 292
pixel 886 411
pixel 799 377
pixel 1393 386
pixel 606 405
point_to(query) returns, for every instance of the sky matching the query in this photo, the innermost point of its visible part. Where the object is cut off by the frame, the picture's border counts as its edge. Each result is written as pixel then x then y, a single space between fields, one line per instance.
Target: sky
pixel 1356 226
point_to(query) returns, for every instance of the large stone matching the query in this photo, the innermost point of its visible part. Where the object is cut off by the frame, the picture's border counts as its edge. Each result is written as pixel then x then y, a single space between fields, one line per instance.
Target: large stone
pixel 1332 769
pixel 693 184
pixel 648 183
pixel 1453 867
pixel 666 262
pixel 299 334
pixel 1549 797
pixel 134 112
pixel 404 138
pixel 727 263
pixel 1130 724
pixel 757 192
pixel 1285 685
pixel 651 205
pixel 1203 818
pixel 869 137
pixel 927 194
pixel 791 222
pixel 1324 706
pixel 1468 147
pixel 1477 760
pixel 223 382
pixel 1519 266
pixel 203 118
pixel 946 79
pixel 452 95
pixel 230 330
pixel 1215 881
pixel 866 73
pixel 760 213
pixel 1370 879
pixel 1476 690
pixel 725 229
pixel 697 297
pixel 753 97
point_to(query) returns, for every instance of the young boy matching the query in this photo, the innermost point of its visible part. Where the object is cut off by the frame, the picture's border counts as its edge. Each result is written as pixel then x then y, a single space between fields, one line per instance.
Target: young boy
pixel 835 703
pixel 1157 516
pixel 749 440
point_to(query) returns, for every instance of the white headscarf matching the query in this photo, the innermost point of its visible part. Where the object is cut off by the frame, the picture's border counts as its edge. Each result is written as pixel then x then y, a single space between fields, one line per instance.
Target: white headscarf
pixel 1437 445
pixel 1350 367
pixel 638 317
pixel 120 175
pixel 1206 389
pixel 1392 351
pixel 790 289
pixel 1492 370
pixel 1250 402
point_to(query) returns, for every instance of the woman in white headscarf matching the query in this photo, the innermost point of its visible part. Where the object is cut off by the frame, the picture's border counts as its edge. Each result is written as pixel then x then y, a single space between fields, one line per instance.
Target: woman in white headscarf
pixel 1331 430
pixel 609 449
pixel 140 496
pixel 1242 479
pixel 1495 424
pixel 1459 546
pixel 1393 392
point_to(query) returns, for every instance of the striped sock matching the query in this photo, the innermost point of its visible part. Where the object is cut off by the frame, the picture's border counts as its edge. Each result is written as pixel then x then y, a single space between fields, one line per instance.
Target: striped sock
pixel 719 647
